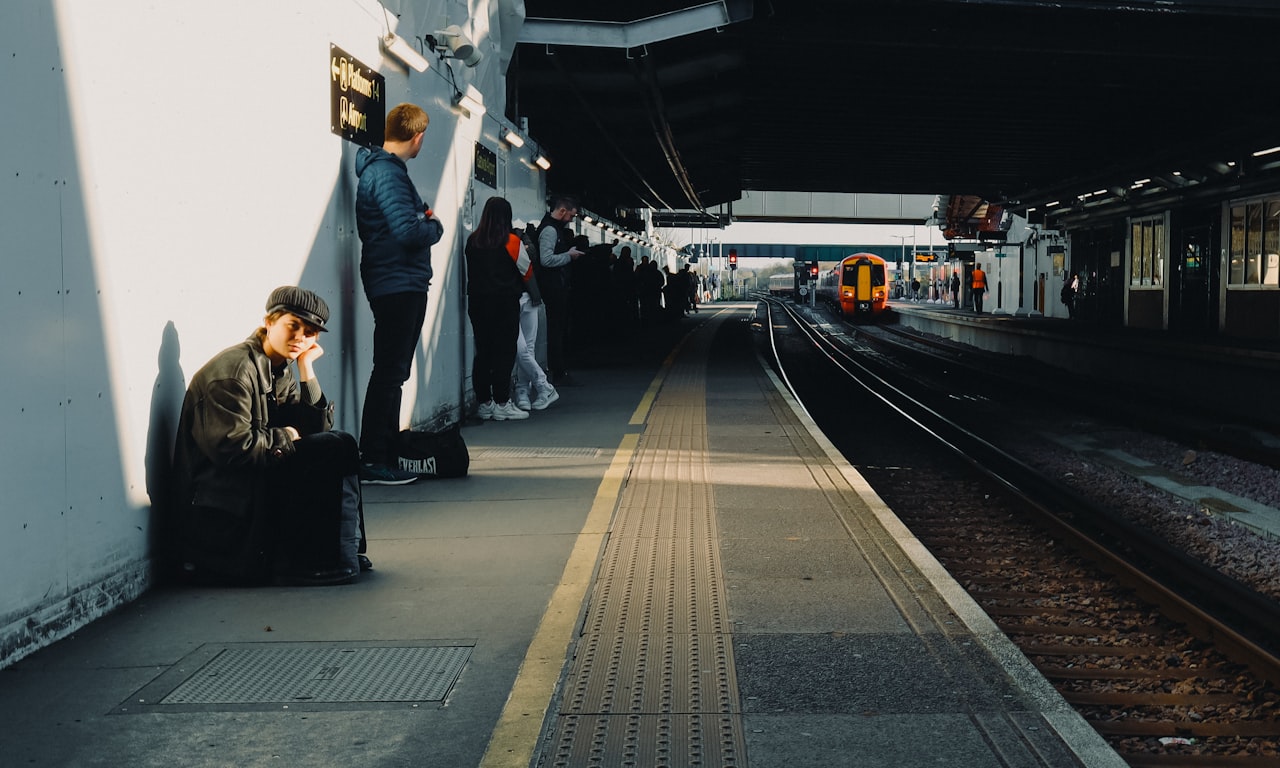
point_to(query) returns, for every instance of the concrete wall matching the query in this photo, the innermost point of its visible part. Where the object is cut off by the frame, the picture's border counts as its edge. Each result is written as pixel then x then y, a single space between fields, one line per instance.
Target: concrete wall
pixel 164 167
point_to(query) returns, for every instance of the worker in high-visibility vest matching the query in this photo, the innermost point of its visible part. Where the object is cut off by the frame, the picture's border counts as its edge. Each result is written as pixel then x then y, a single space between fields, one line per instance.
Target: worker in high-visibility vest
pixel 978 283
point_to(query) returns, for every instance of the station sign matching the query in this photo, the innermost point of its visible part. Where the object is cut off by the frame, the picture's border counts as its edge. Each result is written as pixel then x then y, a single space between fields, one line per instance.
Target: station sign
pixel 357 99
pixel 486 164
pixel 925 257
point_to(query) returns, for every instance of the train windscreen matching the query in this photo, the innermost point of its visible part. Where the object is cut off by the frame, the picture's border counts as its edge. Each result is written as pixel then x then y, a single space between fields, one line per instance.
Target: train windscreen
pixel 851 274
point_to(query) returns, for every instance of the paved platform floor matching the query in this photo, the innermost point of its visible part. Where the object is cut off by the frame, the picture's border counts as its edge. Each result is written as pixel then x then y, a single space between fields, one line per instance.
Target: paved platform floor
pixel 668 567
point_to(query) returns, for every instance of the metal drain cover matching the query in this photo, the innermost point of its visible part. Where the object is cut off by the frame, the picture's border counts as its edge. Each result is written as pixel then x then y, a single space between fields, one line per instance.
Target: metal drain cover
pixel 302 673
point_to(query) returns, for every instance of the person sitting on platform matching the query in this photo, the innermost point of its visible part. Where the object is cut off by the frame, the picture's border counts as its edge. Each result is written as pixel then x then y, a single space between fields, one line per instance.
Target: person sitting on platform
pixel 266 490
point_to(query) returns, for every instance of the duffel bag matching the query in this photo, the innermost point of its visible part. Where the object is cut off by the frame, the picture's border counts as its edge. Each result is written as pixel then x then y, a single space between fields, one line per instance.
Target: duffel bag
pixel 434 454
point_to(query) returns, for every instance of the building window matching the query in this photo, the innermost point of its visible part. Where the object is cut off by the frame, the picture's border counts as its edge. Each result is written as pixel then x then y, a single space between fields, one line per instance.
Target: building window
pixel 1146 250
pixel 1255 243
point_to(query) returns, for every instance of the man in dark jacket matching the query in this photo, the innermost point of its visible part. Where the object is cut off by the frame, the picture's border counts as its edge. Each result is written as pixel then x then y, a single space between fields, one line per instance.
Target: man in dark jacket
pixel 397 231
pixel 264 488
pixel 556 252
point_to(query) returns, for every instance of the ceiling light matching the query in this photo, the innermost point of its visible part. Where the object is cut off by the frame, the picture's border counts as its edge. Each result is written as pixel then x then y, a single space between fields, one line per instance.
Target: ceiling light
pixel 1262 152
pixel 400 48
pixel 542 162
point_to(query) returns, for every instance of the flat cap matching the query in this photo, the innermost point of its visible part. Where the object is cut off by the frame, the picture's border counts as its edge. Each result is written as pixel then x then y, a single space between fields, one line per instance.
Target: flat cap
pixel 302 303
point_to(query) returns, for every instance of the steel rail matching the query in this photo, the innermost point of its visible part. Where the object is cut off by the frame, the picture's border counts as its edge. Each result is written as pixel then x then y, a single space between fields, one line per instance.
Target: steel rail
pixel 1197 429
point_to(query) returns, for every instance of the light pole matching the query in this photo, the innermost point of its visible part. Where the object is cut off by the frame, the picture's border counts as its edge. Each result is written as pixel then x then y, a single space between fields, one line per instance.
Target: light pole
pixel 903 239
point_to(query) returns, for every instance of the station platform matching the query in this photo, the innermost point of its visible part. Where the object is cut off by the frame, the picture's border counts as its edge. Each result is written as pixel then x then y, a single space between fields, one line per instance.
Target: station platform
pixel 1203 374
pixel 670 566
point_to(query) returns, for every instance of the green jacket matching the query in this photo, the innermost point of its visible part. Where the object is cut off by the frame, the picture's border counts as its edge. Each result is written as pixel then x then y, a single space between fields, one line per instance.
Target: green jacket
pixel 230 437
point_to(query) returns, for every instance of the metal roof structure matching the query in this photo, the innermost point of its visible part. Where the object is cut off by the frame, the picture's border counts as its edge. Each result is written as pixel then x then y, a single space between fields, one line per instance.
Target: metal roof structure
pixel 681 105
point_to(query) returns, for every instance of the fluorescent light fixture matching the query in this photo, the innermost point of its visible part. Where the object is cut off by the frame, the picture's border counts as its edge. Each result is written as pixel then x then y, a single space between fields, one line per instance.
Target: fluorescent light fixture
pixel 512 138
pixel 469 103
pixel 542 162
pixel 400 48
pixel 1262 152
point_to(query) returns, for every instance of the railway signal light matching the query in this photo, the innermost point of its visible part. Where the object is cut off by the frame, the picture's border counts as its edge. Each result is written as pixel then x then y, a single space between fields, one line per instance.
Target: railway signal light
pixel 813 271
pixel 733 258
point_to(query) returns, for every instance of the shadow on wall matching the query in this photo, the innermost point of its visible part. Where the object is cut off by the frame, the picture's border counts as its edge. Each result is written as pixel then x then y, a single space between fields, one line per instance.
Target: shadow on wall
pixel 74 547
pixel 340 219
pixel 166 408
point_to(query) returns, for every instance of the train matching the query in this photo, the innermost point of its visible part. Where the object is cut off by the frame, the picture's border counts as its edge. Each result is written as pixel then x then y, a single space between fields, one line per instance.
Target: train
pixel 856 287
pixel 782 284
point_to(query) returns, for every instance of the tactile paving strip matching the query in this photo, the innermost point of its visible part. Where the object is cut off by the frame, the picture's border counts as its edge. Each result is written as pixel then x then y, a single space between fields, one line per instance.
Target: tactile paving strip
pixel 652 683
pixel 323 675
pixel 644 741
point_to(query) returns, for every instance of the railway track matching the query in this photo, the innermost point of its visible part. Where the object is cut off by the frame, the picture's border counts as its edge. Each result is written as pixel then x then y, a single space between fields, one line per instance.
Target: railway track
pixel 1122 631
pixel 1204 426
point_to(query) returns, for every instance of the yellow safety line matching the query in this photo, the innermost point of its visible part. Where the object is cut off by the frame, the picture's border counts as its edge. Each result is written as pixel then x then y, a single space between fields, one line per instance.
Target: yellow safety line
pixel 516 734
pixel 642 409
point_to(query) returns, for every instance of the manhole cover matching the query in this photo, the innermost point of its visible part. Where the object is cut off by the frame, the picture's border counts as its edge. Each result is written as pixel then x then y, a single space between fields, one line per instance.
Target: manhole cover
pixel 302 673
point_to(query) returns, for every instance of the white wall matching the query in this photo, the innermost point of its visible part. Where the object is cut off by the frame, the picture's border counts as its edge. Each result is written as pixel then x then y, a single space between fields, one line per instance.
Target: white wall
pixel 164 167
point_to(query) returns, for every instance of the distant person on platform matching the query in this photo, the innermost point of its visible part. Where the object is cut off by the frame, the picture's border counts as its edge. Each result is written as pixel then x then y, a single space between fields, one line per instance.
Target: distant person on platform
pixel 531 379
pixel 266 491
pixel 955 289
pixel 397 230
pixel 1070 288
pixel 556 252
pixel 497 266
pixel 978 284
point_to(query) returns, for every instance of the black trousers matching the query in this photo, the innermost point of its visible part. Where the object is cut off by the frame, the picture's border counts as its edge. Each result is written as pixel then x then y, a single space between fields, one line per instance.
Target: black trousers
pixel 397 326
pixel 495 322
pixel 555 301
pixel 319 523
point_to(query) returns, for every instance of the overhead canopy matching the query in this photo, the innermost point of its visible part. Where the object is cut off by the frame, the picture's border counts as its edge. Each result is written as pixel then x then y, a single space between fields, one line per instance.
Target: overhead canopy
pixel 1016 101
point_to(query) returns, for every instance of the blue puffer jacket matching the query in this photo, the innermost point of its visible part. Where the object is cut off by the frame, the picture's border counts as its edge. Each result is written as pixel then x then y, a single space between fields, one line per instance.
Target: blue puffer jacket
pixel 395 233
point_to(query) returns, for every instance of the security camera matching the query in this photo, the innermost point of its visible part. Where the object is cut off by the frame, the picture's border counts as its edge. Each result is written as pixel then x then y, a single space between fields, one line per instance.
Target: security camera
pixel 458 44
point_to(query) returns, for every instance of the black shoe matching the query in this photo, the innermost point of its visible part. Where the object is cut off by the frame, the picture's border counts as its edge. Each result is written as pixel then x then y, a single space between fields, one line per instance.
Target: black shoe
pixel 381 474
pixel 328 577
pixel 365 563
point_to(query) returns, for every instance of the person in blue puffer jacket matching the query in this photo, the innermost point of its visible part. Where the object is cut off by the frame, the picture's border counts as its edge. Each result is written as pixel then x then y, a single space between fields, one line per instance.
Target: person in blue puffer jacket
pixel 397 230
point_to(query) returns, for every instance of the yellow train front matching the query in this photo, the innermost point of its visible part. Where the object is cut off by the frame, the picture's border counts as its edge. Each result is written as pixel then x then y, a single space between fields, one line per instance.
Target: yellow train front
pixel 856 286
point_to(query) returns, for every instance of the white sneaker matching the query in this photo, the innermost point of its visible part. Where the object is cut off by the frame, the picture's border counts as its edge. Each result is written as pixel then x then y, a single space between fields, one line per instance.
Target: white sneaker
pixel 485 410
pixel 508 412
pixel 522 401
pixel 545 397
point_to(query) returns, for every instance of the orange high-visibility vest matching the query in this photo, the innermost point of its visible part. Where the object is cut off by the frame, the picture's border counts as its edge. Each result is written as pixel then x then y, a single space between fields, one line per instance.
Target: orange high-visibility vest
pixel 979 282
